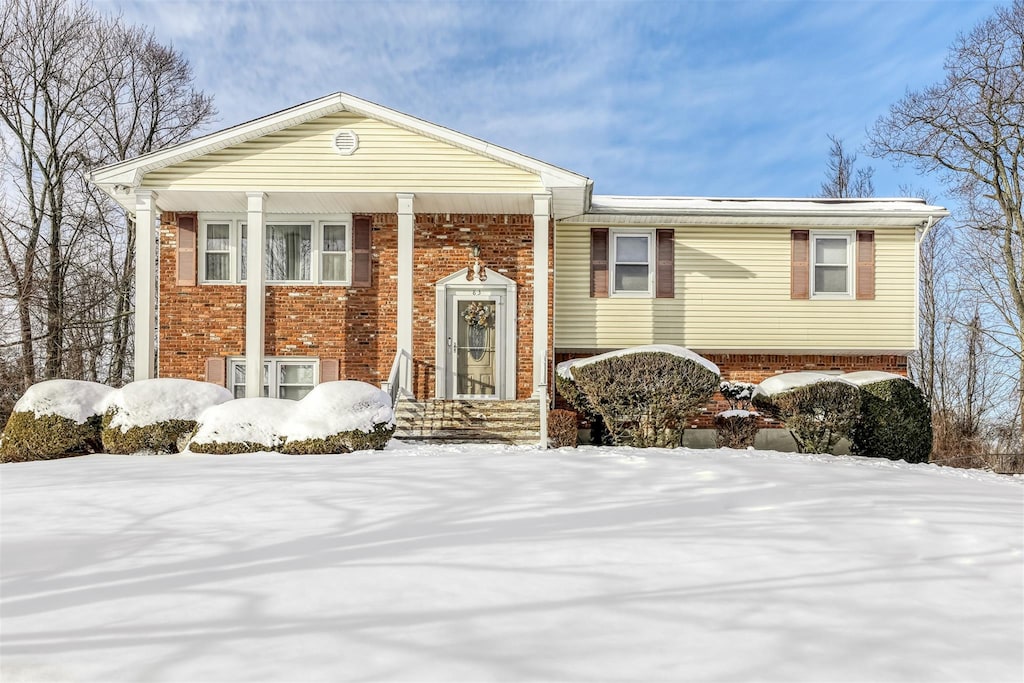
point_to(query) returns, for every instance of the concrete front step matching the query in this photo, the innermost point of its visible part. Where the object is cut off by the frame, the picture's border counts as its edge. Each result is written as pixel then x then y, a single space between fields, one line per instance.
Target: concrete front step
pixel 463 421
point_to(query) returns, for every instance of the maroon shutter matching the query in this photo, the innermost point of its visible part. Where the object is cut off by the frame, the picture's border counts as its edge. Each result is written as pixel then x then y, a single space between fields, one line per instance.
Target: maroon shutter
pixel 865 264
pixel 362 230
pixel 800 264
pixel 665 275
pixel 329 369
pixel 216 371
pixel 599 262
pixel 187 225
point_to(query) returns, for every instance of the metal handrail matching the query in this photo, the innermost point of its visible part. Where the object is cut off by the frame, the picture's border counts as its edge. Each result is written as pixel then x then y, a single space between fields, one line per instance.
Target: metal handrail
pixel 398 378
pixel 542 393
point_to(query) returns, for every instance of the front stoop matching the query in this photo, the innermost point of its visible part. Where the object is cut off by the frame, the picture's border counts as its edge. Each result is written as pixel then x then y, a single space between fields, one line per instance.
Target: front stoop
pixel 464 421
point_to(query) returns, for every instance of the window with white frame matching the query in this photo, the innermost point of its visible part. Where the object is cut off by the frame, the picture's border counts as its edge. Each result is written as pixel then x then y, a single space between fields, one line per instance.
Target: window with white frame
pixel 631 261
pixel 290 378
pixel 831 264
pixel 295 251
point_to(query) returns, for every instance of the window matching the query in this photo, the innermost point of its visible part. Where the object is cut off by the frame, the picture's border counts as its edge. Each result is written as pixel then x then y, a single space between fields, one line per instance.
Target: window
pixel 631 263
pixel 294 251
pixel 217 244
pixel 831 255
pixel 290 378
pixel 334 267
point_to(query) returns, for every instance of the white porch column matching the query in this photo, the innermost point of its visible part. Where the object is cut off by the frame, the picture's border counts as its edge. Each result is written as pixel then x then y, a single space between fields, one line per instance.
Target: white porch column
pixel 255 297
pixel 406 220
pixel 541 221
pixel 145 283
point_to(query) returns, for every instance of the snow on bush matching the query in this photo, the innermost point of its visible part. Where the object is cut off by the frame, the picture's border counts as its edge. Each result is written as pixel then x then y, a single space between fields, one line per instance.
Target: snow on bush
pixel 156 415
pixel 818 409
pixel 645 393
pixel 895 418
pixel 736 427
pixel 335 417
pixel 53 419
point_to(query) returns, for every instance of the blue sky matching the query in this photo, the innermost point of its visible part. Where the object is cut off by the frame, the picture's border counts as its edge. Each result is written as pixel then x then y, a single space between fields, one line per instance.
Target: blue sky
pixel 650 98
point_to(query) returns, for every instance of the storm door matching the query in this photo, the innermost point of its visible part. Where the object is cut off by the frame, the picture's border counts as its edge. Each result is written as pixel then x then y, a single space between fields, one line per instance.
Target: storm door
pixel 475 343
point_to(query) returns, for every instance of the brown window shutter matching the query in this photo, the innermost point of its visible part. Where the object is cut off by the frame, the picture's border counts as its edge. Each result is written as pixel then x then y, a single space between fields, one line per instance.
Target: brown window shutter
pixel 800 264
pixel 599 262
pixel 329 369
pixel 187 227
pixel 216 371
pixel 665 276
pixel 865 264
pixel 362 230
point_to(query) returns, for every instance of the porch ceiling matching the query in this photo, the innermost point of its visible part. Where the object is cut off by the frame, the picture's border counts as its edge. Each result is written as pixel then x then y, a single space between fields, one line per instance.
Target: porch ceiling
pixel 344 202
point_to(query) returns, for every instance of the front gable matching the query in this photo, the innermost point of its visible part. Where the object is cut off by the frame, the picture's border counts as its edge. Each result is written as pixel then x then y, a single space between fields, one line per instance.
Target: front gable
pixel 303 158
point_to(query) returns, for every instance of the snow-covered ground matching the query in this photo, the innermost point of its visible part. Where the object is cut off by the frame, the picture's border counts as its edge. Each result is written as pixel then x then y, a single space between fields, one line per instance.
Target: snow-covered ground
pixel 491 563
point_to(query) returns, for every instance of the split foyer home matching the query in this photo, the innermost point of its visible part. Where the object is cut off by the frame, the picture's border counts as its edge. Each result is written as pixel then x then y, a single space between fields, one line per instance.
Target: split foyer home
pixel 342 239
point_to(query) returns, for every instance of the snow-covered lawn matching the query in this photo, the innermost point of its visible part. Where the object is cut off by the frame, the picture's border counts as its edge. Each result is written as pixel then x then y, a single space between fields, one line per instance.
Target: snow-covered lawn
pixel 491 563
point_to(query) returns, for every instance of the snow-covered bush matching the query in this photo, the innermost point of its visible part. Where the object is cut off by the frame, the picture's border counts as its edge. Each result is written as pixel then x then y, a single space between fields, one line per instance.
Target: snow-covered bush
pixel 335 417
pixel 54 419
pixel 895 418
pixel 340 417
pixel 567 389
pixel 736 427
pixel 645 393
pixel 818 409
pixel 156 415
pixel 562 430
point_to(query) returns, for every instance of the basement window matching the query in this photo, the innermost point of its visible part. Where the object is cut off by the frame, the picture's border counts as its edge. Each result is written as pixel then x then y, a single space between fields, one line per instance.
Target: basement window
pixel 290 378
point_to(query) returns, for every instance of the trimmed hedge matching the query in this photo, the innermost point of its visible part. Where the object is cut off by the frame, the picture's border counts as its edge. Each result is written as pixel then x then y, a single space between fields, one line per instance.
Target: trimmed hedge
pixel 342 442
pixel 817 415
pixel 562 430
pixel 45 437
pixel 646 397
pixel 736 431
pixel 895 422
pixel 169 436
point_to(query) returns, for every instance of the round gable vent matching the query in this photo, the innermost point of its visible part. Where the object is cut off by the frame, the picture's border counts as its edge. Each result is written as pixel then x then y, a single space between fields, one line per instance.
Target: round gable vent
pixel 346 142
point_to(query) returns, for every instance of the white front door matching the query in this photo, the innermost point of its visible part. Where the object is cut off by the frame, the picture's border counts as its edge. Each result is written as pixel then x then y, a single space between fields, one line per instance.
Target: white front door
pixel 476 334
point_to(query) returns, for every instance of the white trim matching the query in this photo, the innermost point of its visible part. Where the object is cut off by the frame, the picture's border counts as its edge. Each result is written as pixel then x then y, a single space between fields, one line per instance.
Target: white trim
pixel 145 283
pixel 456 282
pixel 404 305
pixel 851 239
pixel 613 234
pixel 255 296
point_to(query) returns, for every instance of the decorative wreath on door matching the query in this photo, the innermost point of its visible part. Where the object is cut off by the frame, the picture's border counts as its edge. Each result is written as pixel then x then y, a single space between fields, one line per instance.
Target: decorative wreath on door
pixel 478 314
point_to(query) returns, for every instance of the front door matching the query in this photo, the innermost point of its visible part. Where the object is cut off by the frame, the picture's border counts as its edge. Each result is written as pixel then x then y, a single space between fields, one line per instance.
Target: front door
pixel 475 353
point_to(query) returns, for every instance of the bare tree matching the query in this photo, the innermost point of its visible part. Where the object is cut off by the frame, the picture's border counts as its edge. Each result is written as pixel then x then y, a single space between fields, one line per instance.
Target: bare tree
pixel 968 130
pixel 77 90
pixel 842 179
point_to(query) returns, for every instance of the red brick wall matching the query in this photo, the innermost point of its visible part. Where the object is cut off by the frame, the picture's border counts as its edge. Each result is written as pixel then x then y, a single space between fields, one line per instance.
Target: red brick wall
pixel 355 325
pixel 756 368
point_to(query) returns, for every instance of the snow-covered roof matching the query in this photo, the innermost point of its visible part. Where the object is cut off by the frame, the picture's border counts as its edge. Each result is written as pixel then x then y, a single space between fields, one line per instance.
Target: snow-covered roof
pixel 761 211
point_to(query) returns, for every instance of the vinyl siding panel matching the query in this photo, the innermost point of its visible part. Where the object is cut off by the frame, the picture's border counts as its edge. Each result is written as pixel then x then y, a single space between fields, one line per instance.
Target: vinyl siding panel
pixel 303 158
pixel 733 292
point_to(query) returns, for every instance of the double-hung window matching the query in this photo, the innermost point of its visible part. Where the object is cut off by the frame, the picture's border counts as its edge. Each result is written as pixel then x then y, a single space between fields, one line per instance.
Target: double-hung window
pixel 831 265
pixel 290 378
pixel 631 261
pixel 294 251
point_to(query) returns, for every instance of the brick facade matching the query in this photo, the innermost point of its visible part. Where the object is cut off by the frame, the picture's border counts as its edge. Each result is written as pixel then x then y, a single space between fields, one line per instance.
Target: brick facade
pixel 755 368
pixel 357 326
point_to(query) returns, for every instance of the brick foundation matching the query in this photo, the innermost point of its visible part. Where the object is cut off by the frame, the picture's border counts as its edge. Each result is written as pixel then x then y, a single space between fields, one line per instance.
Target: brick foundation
pixel 357 326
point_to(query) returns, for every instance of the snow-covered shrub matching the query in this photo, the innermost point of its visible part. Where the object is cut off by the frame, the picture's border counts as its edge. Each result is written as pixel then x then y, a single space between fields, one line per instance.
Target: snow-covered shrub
pixel 54 419
pixel 736 427
pixel 895 418
pixel 340 417
pixel 156 415
pixel 567 389
pixel 646 393
pixel 335 417
pixel 562 429
pixel 243 425
pixel 818 409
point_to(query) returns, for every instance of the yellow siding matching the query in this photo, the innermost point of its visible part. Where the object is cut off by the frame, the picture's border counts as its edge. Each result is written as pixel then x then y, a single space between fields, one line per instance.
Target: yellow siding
pixel 732 292
pixel 302 158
